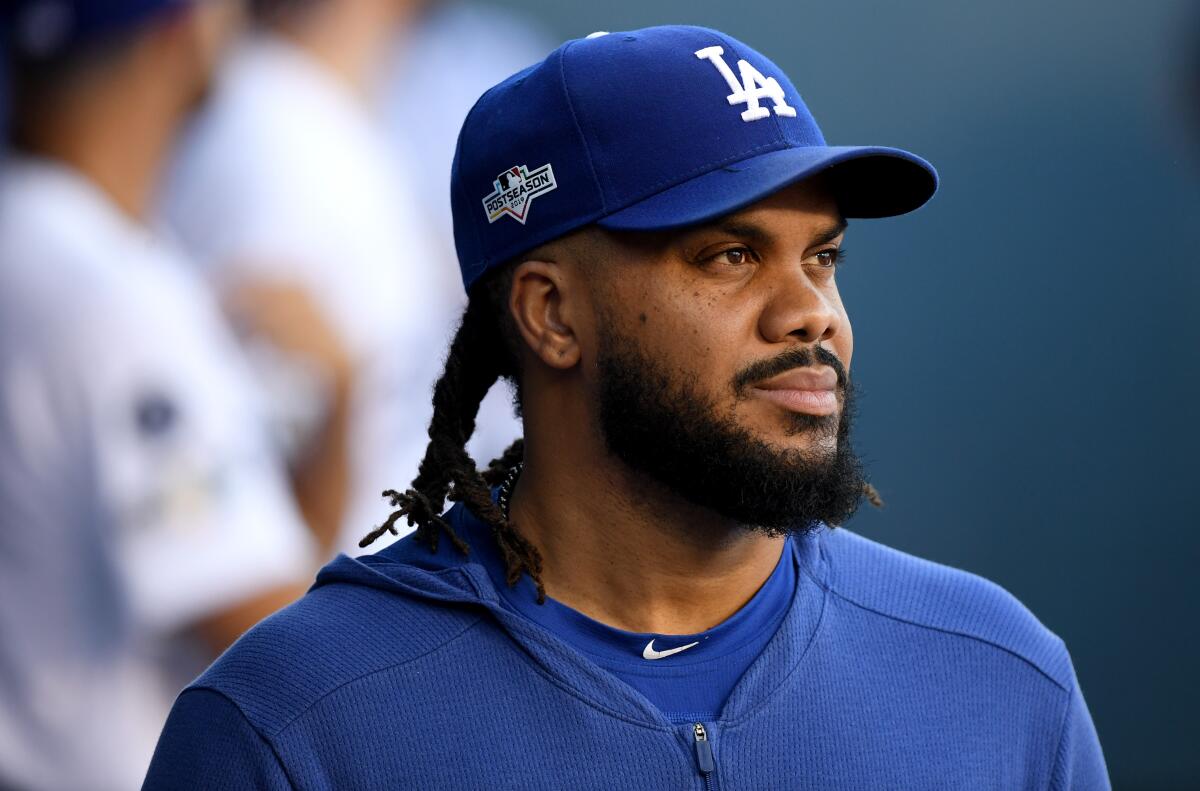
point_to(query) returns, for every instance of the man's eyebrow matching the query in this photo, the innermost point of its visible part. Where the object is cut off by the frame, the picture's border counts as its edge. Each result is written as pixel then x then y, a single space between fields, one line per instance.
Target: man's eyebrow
pixel 829 234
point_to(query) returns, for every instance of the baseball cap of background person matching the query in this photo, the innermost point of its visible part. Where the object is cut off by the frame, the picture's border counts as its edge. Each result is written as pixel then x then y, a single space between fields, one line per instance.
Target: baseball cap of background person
pixel 43 29
pixel 648 130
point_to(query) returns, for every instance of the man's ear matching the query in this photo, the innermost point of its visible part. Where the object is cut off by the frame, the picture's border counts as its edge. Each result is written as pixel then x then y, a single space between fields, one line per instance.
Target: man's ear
pixel 544 309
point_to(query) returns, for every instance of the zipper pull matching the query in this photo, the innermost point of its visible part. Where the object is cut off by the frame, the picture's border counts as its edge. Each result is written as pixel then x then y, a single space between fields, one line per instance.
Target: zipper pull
pixel 704 756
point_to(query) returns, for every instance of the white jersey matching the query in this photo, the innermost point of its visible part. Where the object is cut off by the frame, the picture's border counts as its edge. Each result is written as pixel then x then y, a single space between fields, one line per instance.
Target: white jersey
pixel 287 178
pixel 136 493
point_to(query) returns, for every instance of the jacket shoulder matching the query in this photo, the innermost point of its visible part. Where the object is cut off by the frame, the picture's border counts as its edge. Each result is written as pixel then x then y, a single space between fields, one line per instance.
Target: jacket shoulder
pixel 335 634
pixel 900 586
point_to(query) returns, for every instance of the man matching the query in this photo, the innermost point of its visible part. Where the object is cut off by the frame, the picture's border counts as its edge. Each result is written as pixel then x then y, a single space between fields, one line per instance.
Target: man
pixel 286 195
pixel 654 596
pixel 143 524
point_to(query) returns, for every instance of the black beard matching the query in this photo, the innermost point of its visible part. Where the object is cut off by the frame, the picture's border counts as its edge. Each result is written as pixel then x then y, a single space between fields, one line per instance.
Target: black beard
pixel 661 425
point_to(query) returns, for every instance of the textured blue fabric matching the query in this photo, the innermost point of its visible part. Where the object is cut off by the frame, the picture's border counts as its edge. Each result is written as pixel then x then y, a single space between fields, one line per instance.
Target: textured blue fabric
pixel 405 670
pixel 639 132
pixel 686 686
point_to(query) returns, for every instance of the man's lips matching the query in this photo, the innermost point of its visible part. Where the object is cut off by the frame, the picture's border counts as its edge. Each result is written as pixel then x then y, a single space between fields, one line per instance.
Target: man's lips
pixel 812 390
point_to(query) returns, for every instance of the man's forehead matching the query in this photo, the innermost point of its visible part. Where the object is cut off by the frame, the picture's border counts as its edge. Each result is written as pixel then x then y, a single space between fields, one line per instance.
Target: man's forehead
pixel 806 212
pixel 811 197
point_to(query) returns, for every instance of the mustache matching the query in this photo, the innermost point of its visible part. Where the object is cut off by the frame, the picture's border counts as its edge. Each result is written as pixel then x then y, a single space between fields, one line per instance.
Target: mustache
pixel 798 357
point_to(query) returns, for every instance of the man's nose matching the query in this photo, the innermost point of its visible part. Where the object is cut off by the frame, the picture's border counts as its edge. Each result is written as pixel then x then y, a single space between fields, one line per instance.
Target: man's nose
pixel 799 308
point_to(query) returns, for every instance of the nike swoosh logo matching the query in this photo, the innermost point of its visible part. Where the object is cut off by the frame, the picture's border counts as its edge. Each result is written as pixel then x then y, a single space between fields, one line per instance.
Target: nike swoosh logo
pixel 649 653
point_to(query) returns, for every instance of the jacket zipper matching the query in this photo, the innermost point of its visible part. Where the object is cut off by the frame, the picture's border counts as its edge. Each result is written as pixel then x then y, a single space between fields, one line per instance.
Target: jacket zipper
pixel 704 755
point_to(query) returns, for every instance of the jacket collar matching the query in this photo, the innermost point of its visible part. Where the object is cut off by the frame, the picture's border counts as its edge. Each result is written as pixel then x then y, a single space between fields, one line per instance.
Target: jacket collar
pixel 449 579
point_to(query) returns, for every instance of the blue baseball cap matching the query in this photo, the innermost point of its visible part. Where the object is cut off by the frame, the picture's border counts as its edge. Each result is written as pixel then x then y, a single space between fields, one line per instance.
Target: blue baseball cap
pixel 650 129
pixel 45 28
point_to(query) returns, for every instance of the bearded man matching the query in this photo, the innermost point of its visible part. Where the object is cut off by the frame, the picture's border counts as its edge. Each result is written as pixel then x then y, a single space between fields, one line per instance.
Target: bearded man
pixel 649 590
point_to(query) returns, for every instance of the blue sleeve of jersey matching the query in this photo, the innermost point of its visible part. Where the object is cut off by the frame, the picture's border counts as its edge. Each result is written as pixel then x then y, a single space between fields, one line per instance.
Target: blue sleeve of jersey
pixel 208 744
pixel 1080 762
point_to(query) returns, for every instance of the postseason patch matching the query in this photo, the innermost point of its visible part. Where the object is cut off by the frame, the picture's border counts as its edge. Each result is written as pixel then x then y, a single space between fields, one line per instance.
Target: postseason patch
pixel 515 189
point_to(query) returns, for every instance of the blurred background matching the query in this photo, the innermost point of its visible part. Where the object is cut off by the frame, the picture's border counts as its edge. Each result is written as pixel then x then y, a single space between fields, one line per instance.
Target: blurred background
pixel 272 183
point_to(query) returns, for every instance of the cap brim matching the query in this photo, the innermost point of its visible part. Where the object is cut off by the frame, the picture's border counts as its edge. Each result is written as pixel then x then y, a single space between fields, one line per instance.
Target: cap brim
pixel 867 181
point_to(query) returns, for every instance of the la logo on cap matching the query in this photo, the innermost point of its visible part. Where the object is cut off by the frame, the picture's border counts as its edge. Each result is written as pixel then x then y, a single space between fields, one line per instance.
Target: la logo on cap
pixel 753 87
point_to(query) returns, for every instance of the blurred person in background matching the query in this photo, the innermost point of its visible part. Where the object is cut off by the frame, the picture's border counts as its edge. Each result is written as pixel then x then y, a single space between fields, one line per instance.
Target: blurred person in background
pixel 143 522
pixel 287 195
pixel 437 68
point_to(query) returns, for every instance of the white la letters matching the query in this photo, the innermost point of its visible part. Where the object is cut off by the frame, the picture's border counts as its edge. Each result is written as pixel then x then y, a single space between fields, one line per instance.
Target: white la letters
pixel 753 87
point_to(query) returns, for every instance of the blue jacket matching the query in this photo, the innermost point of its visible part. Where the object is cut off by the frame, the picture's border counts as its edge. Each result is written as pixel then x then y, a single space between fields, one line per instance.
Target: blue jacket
pixel 404 670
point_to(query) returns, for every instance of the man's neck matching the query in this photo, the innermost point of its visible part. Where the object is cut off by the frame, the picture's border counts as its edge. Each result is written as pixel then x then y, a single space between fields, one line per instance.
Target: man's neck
pixel 627 552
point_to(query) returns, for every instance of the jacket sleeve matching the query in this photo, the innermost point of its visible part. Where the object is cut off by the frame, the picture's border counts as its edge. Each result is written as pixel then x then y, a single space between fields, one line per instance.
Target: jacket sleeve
pixel 1079 765
pixel 208 744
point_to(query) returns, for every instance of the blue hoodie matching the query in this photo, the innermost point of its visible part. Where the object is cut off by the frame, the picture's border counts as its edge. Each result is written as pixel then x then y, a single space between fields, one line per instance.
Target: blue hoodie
pixel 405 670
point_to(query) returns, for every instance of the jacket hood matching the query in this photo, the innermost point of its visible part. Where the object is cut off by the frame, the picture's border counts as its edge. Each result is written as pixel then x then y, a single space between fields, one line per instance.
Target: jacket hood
pixel 411 568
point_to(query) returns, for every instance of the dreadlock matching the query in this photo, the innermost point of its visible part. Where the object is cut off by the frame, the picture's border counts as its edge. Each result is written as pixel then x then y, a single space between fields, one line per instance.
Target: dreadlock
pixel 480 354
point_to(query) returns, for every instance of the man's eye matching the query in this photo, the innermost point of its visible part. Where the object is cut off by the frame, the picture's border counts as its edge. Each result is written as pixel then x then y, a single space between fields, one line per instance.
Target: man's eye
pixel 735 257
pixel 831 258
